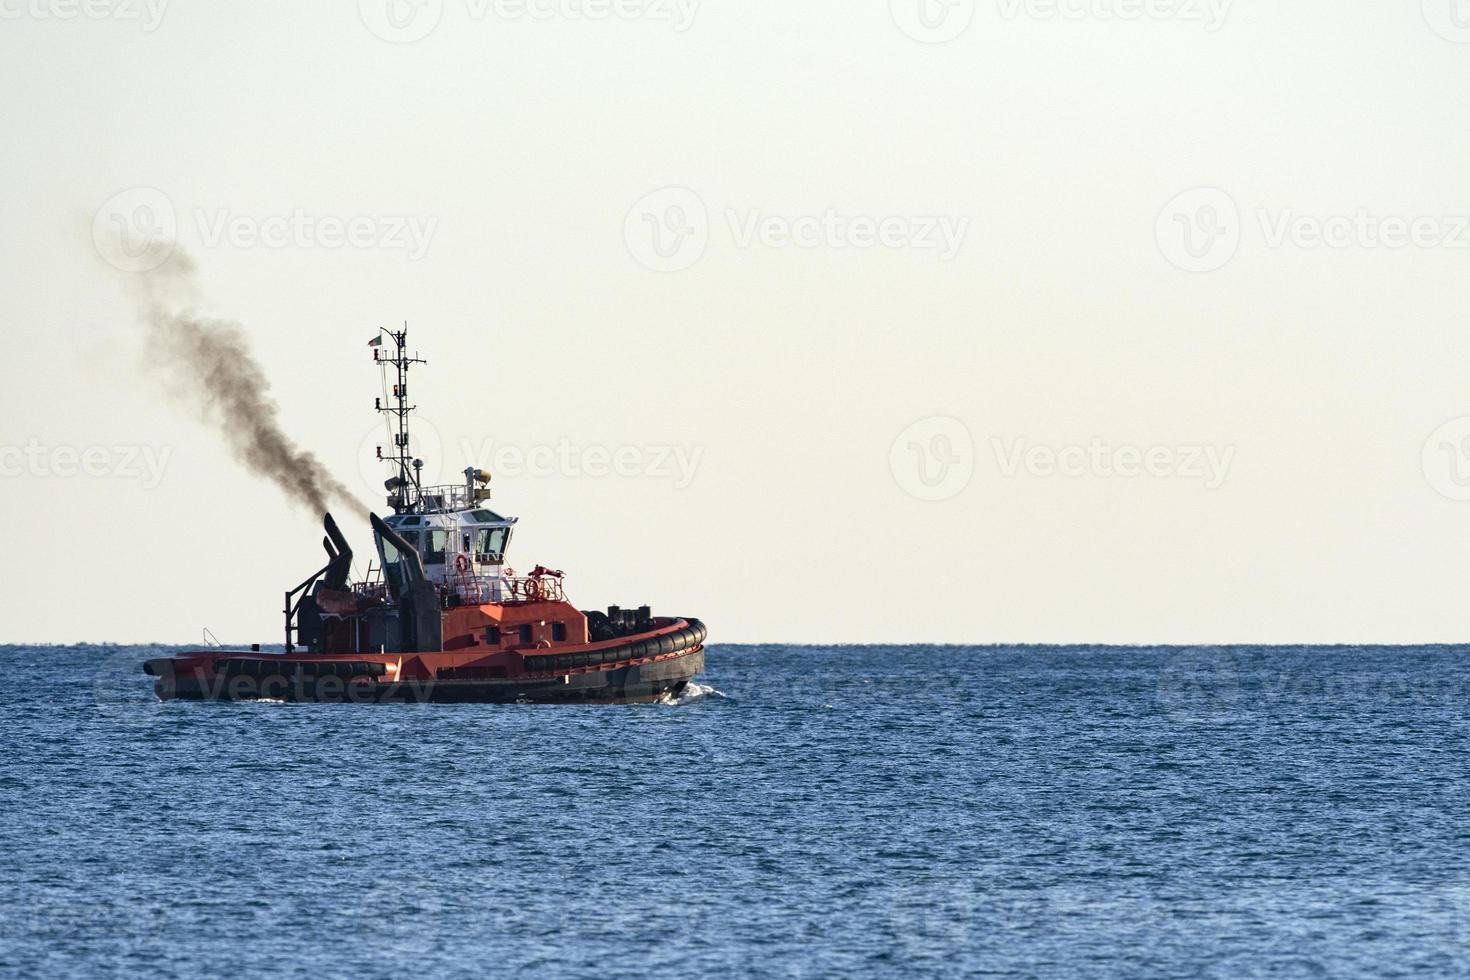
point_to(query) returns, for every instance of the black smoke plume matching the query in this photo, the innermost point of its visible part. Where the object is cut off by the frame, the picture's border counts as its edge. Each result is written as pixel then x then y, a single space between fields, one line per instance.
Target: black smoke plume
pixel 208 366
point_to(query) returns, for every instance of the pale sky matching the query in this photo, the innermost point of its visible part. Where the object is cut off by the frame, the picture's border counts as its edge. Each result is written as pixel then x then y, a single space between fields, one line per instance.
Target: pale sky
pixel 1119 321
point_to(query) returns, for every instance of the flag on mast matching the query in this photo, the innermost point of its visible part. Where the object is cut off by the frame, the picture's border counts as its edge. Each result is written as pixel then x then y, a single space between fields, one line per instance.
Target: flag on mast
pixel 376 341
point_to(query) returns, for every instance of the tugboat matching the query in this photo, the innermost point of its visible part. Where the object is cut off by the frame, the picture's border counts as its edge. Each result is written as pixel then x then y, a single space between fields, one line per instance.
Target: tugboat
pixel 440 617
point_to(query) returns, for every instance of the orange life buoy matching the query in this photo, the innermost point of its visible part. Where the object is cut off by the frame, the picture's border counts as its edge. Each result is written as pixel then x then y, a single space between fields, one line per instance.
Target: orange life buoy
pixel 461 564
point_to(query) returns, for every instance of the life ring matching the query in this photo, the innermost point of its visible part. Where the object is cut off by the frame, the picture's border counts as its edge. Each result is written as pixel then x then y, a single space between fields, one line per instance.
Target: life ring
pixel 532 589
pixel 461 564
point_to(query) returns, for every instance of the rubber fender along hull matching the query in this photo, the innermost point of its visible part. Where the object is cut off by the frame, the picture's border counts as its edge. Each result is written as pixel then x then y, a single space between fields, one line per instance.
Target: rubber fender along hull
pixel 631 683
pixel 691 635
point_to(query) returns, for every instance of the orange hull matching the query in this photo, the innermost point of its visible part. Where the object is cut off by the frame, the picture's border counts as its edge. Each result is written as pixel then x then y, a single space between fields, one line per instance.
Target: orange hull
pixel 644 666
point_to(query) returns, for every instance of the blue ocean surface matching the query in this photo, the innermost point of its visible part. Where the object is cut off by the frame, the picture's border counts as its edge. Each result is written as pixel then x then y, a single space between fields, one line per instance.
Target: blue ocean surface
pixel 807 812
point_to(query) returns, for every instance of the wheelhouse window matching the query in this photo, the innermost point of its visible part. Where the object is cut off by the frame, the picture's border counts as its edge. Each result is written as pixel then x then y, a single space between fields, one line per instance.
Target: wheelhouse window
pixel 392 562
pixel 436 542
pixel 490 544
pixel 391 554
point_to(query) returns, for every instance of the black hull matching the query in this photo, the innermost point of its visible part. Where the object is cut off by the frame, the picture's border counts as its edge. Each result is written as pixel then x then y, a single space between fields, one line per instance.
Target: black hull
pixel 631 684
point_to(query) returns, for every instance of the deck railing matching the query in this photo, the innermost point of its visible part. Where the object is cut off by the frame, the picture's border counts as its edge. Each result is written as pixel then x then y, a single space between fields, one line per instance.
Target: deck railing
pixel 508 588
pixel 452 497
pixel 475 589
pixel 535 588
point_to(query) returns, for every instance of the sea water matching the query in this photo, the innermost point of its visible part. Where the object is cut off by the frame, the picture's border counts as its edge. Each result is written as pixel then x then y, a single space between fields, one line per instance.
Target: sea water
pixel 803 811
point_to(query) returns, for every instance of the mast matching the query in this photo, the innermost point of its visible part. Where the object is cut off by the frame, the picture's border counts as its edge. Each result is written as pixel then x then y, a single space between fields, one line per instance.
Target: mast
pixel 406 494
